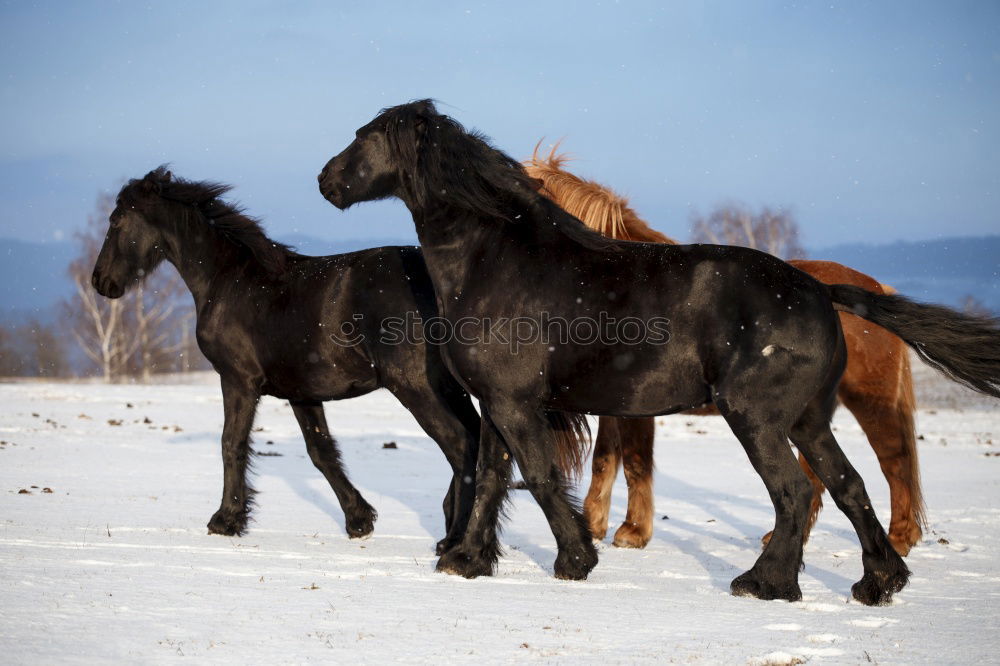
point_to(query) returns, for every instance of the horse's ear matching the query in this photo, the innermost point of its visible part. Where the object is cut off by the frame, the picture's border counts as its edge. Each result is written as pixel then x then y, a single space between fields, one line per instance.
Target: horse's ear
pixel 151 183
pixel 167 176
pixel 425 108
pixel 423 111
pixel 420 125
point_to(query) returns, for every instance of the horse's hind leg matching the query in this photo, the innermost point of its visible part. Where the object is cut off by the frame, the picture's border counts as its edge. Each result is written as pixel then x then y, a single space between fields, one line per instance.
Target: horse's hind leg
pixel 478 549
pixel 815 504
pixel 532 441
pixel 884 570
pixel 604 470
pixel 775 573
pixel 890 432
pixel 446 414
pixel 240 404
pixel 637 436
pixel 359 516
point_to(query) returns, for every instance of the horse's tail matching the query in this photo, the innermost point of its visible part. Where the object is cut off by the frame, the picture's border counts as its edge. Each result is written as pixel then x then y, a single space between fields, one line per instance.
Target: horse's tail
pixel 964 347
pixel 906 406
pixel 572 442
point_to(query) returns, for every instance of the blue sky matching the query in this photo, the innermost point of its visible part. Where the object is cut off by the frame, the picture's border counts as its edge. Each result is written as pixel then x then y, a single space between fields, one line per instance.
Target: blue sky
pixel 871 121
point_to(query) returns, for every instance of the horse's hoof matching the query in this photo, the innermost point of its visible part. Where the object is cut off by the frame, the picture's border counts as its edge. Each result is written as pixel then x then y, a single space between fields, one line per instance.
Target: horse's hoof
pixel 903 540
pixel 576 563
pixel 362 523
pixel 749 585
pixel 227 523
pixel 631 536
pixel 877 590
pixel 900 546
pixel 458 563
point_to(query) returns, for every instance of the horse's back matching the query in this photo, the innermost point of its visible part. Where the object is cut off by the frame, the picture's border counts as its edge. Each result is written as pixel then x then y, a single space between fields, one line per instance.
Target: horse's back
pixel 831 272
pixel 719 277
pixel 320 337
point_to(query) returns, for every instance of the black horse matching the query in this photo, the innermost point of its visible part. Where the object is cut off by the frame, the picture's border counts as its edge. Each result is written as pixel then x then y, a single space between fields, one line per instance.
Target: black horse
pixel 306 329
pixel 747 331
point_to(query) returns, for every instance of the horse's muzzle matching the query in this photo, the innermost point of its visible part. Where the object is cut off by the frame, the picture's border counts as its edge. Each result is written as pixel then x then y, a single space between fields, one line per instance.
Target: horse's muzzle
pixel 333 194
pixel 106 287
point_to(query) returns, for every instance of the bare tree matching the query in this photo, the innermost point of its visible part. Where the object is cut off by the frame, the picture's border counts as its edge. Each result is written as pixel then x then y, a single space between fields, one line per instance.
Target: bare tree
pixel 11 360
pixel 33 349
pixel 773 231
pixel 47 350
pixel 973 306
pixel 160 317
pixel 99 330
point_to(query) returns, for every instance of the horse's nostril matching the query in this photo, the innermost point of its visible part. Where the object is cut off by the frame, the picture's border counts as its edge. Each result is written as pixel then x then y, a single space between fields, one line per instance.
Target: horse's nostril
pixel 322 175
pixel 93 280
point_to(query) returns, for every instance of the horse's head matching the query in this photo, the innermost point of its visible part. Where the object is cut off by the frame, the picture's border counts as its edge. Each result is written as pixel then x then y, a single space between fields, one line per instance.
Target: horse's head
pixel 430 162
pixel 133 246
pixel 374 165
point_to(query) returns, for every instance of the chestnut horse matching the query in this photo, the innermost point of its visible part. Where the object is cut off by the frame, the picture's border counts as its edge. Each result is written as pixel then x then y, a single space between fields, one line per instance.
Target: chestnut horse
pixel 877 386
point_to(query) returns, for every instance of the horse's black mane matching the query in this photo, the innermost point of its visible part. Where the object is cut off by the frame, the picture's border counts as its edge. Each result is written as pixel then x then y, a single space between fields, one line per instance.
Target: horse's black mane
pixel 441 159
pixel 202 202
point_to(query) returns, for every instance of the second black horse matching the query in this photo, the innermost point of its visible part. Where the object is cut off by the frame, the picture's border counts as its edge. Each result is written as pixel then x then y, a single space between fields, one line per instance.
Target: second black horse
pixel 306 329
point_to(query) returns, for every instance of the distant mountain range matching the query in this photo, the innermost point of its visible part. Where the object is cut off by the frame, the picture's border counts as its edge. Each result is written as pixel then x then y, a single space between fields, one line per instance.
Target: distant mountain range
pixel 33 276
pixel 944 271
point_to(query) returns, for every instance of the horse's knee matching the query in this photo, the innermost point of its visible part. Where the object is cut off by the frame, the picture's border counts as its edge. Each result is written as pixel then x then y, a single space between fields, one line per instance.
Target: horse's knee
pixel 538 482
pixel 851 495
pixel 895 465
pixel 316 455
pixel 604 463
pixel 637 471
pixel 797 497
pixel 448 505
pixel 235 452
pixel 323 452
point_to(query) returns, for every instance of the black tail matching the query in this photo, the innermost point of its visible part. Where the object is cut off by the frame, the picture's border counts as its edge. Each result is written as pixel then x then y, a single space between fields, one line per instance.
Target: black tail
pixel 572 433
pixel 964 347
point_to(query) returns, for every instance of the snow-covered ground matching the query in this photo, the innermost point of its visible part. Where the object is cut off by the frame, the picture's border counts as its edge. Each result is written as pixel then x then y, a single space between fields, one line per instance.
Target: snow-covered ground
pixel 114 564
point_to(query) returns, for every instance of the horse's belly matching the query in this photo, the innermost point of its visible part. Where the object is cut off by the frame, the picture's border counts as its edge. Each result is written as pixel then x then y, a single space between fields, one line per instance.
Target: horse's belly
pixel 636 388
pixel 320 381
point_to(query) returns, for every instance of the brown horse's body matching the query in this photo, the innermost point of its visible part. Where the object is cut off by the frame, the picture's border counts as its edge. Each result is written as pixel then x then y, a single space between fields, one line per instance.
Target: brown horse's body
pixel 877 386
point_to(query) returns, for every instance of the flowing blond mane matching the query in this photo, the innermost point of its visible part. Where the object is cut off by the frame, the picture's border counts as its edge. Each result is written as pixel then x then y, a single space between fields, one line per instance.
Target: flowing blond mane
pixel 597 206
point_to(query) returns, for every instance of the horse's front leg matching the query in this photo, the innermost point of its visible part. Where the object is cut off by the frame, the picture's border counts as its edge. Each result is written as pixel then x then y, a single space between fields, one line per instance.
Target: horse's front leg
pixel 240 403
pixel 637 457
pixel 604 470
pixel 478 549
pixel 529 437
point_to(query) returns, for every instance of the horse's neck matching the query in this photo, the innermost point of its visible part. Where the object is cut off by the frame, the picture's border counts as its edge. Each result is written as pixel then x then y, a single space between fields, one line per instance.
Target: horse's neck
pixel 456 243
pixel 199 257
pixel 445 247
